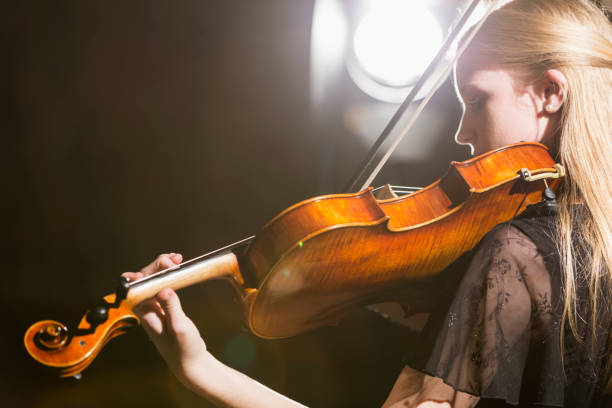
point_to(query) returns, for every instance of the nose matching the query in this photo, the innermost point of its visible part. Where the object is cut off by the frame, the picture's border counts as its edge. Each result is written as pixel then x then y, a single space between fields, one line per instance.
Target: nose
pixel 463 137
pixel 465 134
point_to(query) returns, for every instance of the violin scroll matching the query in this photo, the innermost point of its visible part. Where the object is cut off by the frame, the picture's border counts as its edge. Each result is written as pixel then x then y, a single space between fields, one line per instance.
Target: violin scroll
pixel 67 352
pixel 51 335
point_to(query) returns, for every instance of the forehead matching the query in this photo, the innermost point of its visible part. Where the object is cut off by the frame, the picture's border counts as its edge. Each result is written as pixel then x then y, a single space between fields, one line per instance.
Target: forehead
pixel 475 72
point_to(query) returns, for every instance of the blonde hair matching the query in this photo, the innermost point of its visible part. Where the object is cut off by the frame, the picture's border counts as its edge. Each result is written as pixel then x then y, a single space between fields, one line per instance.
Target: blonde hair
pixel 574 37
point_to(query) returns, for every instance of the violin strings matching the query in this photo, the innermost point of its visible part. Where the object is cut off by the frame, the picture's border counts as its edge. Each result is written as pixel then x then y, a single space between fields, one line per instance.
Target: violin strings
pixel 396 189
pixel 193 260
pixel 399 189
pixel 405 190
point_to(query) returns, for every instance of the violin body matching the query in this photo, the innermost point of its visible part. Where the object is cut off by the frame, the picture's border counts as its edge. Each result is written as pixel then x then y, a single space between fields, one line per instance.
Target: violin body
pixel 320 258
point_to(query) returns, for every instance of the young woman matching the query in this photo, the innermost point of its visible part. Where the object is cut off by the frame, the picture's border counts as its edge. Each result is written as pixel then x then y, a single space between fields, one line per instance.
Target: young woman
pixel 528 321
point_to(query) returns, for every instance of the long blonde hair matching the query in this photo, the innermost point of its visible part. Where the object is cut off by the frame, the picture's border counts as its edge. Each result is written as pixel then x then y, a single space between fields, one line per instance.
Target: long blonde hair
pixel 574 37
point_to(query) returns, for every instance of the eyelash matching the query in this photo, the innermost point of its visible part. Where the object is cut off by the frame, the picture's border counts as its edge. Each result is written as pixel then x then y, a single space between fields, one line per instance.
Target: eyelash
pixel 474 101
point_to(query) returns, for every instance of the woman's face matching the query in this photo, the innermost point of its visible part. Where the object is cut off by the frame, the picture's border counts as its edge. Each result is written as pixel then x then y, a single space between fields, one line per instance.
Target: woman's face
pixel 498 109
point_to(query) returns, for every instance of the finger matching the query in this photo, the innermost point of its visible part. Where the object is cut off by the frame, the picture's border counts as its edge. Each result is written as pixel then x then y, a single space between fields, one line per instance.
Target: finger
pixel 147 306
pixel 165 261
pixel 151 317
pixel 176 258
pixel 153 324
pixel 162 262
pixel 171 305
pixel 133 276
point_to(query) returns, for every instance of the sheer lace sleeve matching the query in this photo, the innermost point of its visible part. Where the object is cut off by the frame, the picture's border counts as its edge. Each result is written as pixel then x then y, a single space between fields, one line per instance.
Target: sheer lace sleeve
pixel 496 330
pixel 502 305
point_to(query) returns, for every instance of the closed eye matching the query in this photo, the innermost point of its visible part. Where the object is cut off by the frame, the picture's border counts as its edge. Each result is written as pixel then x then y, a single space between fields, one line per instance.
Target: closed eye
pixel 474 101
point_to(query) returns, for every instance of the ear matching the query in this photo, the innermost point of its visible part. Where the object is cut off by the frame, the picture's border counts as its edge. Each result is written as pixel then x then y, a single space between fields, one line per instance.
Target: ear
pixel 552 86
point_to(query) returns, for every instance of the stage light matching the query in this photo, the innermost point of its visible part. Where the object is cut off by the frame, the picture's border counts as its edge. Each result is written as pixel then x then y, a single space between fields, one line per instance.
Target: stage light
pixel 392 45
pixel 395 41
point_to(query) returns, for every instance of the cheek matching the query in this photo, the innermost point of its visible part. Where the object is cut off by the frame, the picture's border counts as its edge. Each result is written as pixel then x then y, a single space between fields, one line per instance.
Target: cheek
pixel 510 124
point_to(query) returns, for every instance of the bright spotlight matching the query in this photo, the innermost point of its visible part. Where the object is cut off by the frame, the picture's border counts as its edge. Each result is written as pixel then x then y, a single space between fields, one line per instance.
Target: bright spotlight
pixel 395 40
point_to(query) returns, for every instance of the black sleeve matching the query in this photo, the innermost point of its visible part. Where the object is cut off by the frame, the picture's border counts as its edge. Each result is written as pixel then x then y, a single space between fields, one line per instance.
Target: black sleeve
pixel 480 338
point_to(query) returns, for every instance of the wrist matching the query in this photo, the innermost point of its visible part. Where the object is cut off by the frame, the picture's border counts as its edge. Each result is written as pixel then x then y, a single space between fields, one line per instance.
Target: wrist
pixel 198 371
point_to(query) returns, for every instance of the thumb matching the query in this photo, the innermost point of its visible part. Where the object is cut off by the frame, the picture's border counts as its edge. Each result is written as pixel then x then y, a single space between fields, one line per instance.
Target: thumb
pixel 171 304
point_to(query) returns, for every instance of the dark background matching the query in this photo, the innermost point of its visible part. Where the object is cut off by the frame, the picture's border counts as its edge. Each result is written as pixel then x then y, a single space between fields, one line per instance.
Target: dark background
pixel 135 128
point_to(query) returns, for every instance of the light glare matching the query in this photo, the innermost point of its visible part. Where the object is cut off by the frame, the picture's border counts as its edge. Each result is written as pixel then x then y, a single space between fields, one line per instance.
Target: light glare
pixel 395 41
pixel 328 42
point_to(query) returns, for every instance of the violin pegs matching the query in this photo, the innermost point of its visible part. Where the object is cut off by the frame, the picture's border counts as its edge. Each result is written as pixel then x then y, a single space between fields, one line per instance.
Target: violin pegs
pixel 68 352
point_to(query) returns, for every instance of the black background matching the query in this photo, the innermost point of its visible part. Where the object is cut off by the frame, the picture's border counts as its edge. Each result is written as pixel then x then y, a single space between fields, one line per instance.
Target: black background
pixel 135 128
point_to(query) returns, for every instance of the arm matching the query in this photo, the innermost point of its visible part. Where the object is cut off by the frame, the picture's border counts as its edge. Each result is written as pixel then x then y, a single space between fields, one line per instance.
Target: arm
pixel 178 341
pixel 416 389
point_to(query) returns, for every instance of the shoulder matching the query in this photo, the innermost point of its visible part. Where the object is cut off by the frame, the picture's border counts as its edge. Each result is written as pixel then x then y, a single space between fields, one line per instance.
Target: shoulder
pixel 508 258
pixel 509 242
pixel 508 262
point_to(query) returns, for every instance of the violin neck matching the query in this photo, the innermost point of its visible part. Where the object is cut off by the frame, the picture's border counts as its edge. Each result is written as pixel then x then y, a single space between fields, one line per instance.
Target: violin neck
pixel 222 266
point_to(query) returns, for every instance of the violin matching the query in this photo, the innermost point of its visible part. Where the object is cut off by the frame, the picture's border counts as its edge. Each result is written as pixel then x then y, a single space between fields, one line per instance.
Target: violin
pixel 322 257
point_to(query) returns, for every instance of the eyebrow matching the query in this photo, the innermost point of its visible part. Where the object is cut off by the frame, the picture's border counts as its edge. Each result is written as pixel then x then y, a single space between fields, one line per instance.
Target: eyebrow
pixel 468 91
pixel 468 88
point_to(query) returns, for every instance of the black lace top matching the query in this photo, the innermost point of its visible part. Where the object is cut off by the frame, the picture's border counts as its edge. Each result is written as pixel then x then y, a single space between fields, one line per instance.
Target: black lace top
pixel 497 335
